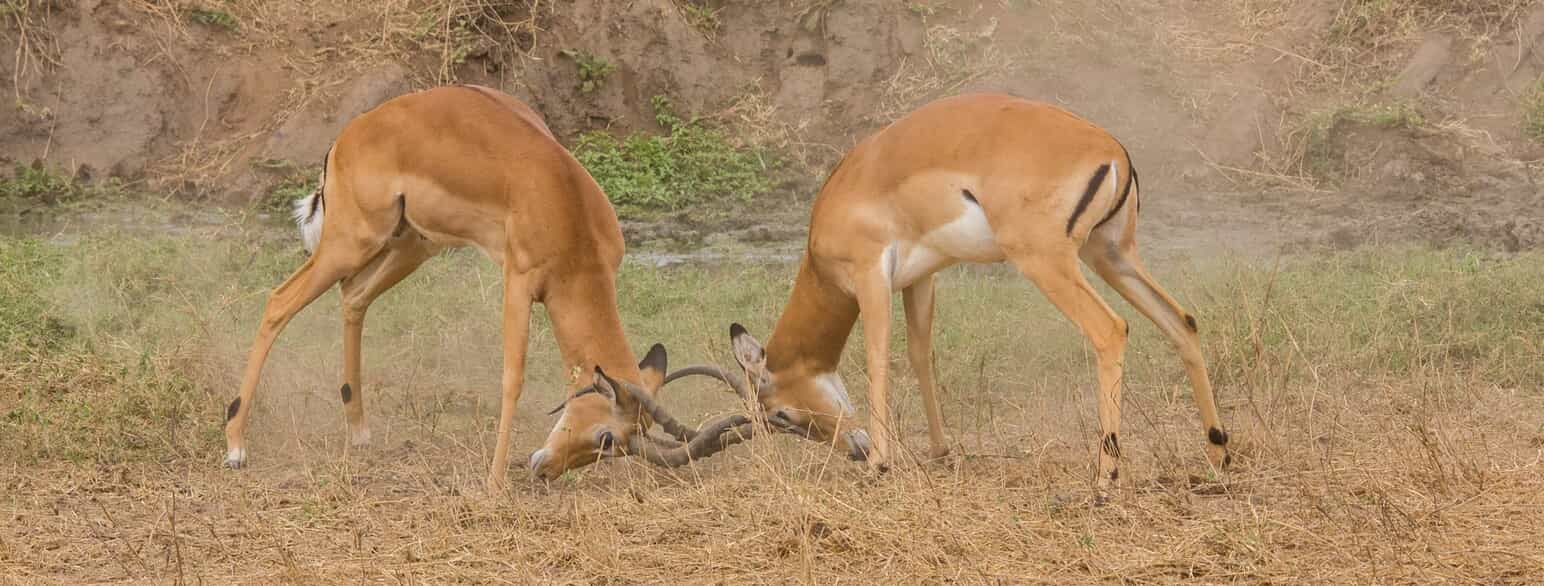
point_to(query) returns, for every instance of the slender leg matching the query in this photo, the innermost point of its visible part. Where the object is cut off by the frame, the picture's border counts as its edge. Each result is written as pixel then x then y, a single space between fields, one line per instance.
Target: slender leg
pixel 874 309
pixel 1056 273
pixel 304 286
pixel 517 325
pixel 918 301
pixel 1114 258
pixel 384 272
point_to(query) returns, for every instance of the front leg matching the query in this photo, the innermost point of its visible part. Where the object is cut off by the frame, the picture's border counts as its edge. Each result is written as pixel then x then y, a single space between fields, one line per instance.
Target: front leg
pixel 873 288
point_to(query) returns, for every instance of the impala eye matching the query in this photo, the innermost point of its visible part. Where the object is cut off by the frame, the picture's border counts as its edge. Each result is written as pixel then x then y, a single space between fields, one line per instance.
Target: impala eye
pixel 781 418
pixel 605 439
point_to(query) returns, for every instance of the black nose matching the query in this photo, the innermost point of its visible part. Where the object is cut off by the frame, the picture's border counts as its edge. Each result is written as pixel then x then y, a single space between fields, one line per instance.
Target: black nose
pixel 605 441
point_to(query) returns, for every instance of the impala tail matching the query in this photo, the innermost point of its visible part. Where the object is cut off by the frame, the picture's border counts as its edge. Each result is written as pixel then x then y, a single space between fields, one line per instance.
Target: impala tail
pixel 308 213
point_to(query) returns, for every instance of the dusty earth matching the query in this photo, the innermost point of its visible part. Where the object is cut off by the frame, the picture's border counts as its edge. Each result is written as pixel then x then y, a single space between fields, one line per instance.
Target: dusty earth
pixel 1214 99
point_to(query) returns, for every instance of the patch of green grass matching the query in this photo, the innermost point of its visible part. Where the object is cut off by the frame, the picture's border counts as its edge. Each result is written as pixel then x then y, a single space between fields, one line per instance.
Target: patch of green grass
pixel 281 199
pixel 38 183
pixel 692 163
pixel 212 17
pixel 593 69
pixel 35 185
pixel 298 181
pixel 117 348
pixel 1533 112
pixel 25 320
pixel 66 395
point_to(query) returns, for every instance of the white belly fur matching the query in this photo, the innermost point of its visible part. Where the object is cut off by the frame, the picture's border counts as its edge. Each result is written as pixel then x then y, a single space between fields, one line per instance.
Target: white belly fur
pixel 967 237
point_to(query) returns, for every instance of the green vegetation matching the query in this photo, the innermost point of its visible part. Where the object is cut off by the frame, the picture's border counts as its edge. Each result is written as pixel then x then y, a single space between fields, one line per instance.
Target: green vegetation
pixel 701 17
pixel 124 349
pixel 593 69
pixel 1533 112
pixel 35 185
pixel 298 181
pixel 63 394
pixel 692 163
pixel 212 17
pixel 38 184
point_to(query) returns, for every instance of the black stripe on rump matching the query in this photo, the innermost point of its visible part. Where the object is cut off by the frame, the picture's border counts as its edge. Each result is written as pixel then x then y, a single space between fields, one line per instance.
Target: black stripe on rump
pixel 1088 195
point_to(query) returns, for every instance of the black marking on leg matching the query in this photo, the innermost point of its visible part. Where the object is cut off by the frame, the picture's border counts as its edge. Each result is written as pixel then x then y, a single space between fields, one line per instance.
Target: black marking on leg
pixel 1114 474
pixel 1088 195
pixel 347 392
pixel 1190 321
pixel 1112 445
pixel 230 412
pixel 1217 437
pixel 1227 460
pixel 970 197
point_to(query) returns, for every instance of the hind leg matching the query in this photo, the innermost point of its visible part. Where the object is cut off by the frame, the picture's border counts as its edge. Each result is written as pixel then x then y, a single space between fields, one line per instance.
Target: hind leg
pixel 1112 252
pixel 304 286
pixel 401 258
pixel 1053 267
pixel 918 302
pixel 348 243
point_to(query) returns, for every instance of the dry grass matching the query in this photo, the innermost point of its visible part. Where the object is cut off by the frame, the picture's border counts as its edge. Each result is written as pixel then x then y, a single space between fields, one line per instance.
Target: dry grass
pixel 1385 406
pixel 24 24
pixel 1368 40
pixel 954 59
pixel 437 40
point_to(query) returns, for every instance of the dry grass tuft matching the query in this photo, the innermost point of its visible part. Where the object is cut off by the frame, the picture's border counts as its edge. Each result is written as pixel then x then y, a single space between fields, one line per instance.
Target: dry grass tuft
pixel 1368 39
pixel 1385 406
pixel 24 24
pixel 954 59
pixel 461 30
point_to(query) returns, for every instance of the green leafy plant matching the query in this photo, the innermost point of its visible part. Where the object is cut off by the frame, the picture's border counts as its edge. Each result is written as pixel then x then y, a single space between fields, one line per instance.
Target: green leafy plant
pixel 37 183
pixel 593 69
pixel 212 17
pixel 692 163
pixel 701 17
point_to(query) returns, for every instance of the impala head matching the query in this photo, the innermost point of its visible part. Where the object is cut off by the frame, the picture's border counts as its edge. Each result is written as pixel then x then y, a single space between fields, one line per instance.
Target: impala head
pixel 808 404
pixel 600 419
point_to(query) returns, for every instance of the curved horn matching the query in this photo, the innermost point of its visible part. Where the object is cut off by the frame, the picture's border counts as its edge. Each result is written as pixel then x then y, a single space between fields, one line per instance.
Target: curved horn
pixel 714 438
pixel 658 413
pixel 712 372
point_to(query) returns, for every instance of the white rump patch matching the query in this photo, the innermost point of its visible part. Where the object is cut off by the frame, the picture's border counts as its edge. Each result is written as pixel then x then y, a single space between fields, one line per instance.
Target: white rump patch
pixel 311 224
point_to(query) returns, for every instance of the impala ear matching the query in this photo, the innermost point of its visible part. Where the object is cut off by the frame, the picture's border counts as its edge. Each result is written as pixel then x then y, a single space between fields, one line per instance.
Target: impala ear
pixel 747 351
pixel 613 389
pixel 604 384
pixel 652 368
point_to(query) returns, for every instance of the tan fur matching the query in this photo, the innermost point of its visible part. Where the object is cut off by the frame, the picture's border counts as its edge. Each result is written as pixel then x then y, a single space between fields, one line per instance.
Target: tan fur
pixel 463 166
pixel 1027 164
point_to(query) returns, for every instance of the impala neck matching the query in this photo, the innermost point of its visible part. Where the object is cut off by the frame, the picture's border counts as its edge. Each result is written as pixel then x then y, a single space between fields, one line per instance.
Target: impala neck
pixel 588 328
pixel 810 335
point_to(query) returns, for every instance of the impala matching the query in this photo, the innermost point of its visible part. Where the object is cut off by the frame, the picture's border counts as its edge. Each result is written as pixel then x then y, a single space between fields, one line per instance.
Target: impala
pixel 979 178
pixel 469 166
